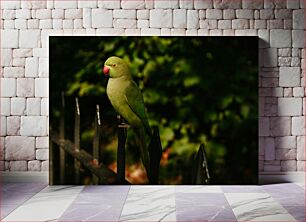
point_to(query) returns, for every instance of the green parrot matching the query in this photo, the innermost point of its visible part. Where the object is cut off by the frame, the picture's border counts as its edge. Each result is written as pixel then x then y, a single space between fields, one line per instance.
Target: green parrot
pixel 127 100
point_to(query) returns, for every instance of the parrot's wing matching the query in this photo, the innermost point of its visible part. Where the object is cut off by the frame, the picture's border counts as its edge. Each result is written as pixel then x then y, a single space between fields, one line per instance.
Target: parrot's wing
pixel 134 99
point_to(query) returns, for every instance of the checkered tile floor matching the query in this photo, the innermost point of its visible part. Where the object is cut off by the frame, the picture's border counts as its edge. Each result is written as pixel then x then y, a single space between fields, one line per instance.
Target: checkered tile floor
pixel 39 202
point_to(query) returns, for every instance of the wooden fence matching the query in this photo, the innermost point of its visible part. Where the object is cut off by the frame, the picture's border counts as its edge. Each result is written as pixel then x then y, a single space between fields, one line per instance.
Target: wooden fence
pixel 101 174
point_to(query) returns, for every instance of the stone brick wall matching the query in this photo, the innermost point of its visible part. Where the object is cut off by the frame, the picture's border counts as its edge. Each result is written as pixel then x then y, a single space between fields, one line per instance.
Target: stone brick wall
pixel 26 25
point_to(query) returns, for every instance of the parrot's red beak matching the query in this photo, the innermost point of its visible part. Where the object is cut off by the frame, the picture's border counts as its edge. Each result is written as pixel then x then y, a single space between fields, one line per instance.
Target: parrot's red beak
pixel 105 70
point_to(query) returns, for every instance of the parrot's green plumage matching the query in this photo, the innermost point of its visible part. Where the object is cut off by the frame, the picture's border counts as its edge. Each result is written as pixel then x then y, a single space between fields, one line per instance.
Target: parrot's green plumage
pixel 127 100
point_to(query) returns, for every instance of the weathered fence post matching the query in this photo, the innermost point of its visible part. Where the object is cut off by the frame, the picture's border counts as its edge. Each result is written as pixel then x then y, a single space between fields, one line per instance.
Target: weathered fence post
pixel 155 151
pixel 96 142
pixel 200 174
pixel 122 132
pixel 62 137
pixel 77 141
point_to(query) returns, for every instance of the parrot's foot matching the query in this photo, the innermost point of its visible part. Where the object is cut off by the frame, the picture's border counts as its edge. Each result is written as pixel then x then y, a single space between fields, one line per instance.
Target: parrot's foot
pixel 124 125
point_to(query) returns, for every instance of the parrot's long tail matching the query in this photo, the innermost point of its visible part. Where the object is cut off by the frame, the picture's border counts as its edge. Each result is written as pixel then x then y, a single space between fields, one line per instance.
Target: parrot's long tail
pixel 143 145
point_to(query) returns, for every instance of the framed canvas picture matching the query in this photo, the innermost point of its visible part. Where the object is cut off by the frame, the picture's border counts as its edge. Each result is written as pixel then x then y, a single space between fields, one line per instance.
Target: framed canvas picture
pixel 153 110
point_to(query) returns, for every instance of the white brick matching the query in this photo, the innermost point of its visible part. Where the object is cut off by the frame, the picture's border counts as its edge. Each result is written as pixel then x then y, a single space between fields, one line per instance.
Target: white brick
pixel 270 57
pixel 252 4
pixel 301 165
pixel 225 4
pixel 271 168
pixel 203 4
pixel 150 32
pixel 45 24
pixel 133 4
pixel 289 106
pixel 280 126
pixel 33 4
pixel 8 87
pixel 33 106
pixel 143 14
pixel 191 32
pixel 45 165
pixel 43 68
pixel 8 14
pixel 132 32
pixel 2 133
pixel 10 4
pixel 298 38
pixel 25 87
pixel 186 4
pixel 34 126
pixel 178 32
pixel 125 23
pixel 42 154
pixel 160 18
pixel 102 18
pixel 264 37
pixel 9 39
pixel 298 19
pixel 41 52
pixel 43 13
pixel 45 107
pixel 298 126
pixel 179 18
pixel 269 149
pixel 68 24
pixel 41 87
pixel 13 72
pixel 13 125
pixel 18 106
pixel 57 23
pixel 33 24
pixel 228 14
pixel 286 142
pixel 18 166
pixel 78 27
pixel 20 23
pixel 240 24
pixel 280 38
pixel 31 67
pixel 73 13
pixel 288 165
pixel 289 76
pixel 29 38
pixel 245 14
pixel 301 148
pixel 165 32
pixel 192 19
pixel 19 148
pixel 8 24
pixel 285 154
pixel 6 56
pixel 123 13
pixel 109 4
pixel 19 62
pixel 65 4
pixel 86 18
pixel 208 24
pixel 58 13
pixel 288 92
pixel 264 126
pixel 224 24
pixel 142 23
pixel 109 32
pixel 87 4
pixel 5 106
pixel 213 14
pixel 42 142
pixel 34 165
pixel 293 4
pixel 298 92
pixel 165 4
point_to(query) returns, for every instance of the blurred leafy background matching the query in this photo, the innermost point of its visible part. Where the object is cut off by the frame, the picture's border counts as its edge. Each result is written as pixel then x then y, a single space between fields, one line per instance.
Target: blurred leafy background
pixel 196 90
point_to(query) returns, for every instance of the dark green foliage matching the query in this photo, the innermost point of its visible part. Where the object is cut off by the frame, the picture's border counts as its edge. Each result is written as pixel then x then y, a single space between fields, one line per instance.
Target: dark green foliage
pixel 197 90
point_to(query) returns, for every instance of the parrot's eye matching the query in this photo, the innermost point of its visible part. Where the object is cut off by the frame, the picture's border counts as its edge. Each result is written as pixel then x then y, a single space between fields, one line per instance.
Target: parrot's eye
pixel 114 65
